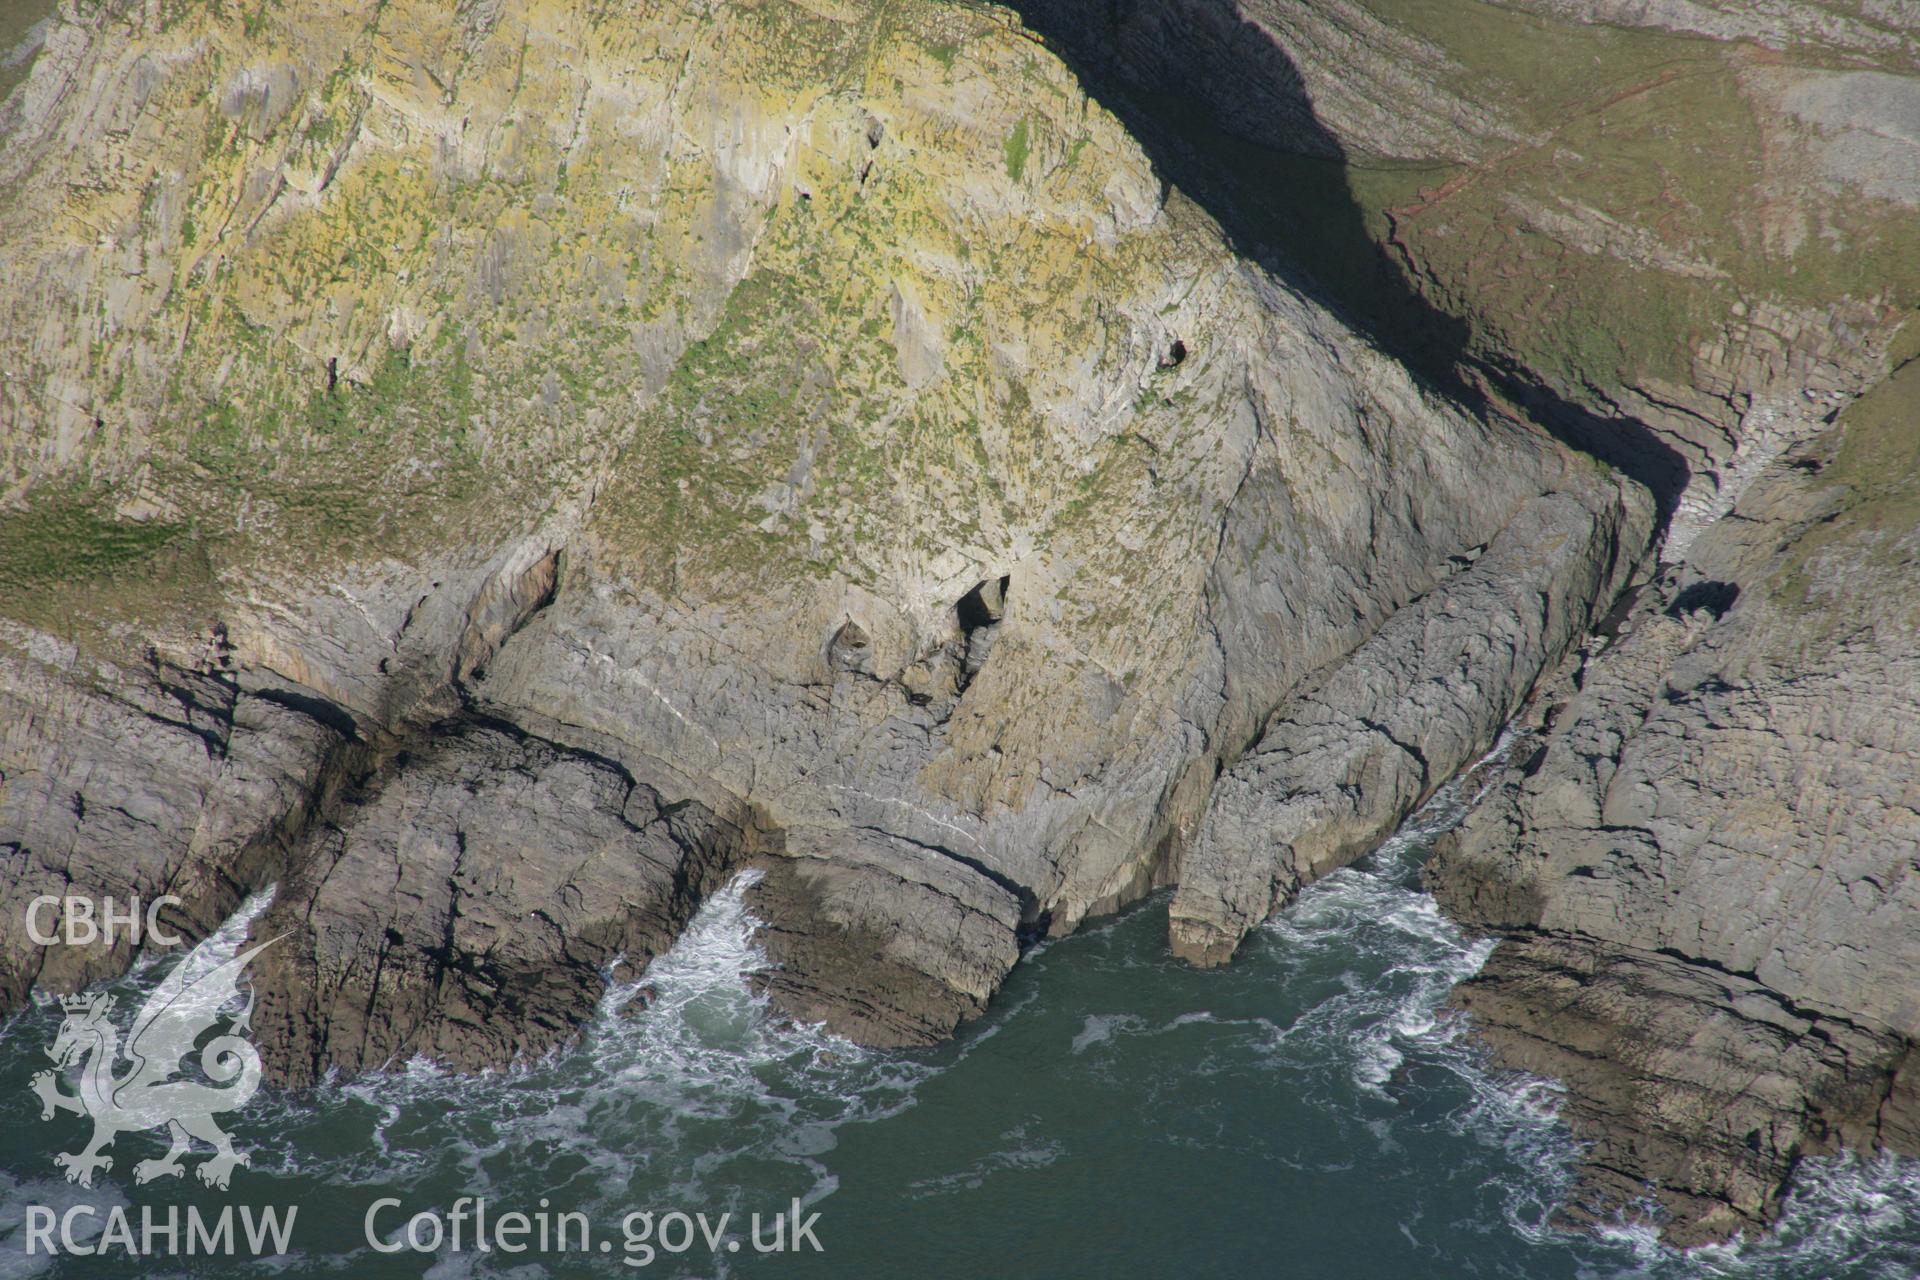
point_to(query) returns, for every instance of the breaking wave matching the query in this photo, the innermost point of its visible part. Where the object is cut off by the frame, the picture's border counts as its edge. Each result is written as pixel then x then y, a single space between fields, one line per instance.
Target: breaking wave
pixel 683 1090
pixel 1848 1216
pixel 1325 1062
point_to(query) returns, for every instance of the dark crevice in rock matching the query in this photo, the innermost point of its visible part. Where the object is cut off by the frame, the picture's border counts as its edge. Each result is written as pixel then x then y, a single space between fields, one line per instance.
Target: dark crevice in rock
pixel 979 613
pixel 1616 617
pixel 215 742
pixel 317 709
pixel 209 717
pixel 375 972
pixel 1029 904
pixel 503 606
pixel 850 648
pixel 430 989
pixel 1412 750
pixel 984 605
pixel 1714 597
pixel 1034 930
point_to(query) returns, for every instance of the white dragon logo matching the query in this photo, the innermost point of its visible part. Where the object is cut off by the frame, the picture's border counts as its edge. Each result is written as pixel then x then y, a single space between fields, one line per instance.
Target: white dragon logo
pixel 150 1094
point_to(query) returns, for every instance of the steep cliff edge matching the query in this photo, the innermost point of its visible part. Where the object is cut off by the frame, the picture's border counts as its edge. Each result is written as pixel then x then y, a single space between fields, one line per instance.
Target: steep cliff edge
pixel 494 471
pixel 1683 235
pixel 1707 866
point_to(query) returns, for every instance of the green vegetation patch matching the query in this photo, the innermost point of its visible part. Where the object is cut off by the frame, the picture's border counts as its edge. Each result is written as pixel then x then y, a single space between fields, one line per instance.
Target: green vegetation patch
pixel 17 20
pixel 1878 465
pixel 1017 147
pixel 71 536
pixel 70 567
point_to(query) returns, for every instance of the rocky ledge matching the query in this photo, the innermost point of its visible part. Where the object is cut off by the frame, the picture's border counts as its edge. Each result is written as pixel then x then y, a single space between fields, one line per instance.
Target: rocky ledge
pixel 494 472
pixel 865 469
pixel 1703 864
pixel 1707 865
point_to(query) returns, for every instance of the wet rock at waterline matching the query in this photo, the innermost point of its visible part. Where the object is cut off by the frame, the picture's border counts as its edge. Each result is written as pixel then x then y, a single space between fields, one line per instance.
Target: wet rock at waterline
pixel 499 471
pixel 1707 866
pixel 1338 766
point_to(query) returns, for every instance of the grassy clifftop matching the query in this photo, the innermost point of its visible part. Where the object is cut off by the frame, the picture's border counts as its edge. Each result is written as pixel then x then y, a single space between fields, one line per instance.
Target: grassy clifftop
pixel 1664 186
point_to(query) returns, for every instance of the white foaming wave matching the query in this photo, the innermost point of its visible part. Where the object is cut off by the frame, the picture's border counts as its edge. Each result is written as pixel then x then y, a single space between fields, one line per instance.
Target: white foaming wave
pixel 1099 1028
pixel 1374 908
pixel 1375 1060
pixel 218 947
pixel 1855 1207
pixel 212 951
pixel 664 1096
pixel 1449 804
pixel 58 1195
pixel 1847 1216
pixel 1378 1020
pixel 1518 1115
pixel 224 943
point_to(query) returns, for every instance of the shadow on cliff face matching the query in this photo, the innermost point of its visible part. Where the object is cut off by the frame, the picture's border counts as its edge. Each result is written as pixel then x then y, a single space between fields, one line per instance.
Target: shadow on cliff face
pixel 1225 115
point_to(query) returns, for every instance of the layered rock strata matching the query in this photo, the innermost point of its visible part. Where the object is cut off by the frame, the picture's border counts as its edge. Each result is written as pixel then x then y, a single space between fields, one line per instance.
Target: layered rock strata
pixel 507 469
pixel 1707 865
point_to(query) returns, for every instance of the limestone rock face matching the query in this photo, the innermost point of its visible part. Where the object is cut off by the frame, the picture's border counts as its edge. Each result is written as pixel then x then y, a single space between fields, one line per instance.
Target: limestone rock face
pixel 137 780
pixel 1682 235
pixel 535 867
pixel 1709 861
pixel 1341 764
pixel 494 472
pixel 1701 1085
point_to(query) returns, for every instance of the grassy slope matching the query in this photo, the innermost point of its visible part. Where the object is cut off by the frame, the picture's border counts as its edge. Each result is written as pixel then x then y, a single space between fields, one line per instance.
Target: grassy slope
pixel 1651 131
pixel 1876 469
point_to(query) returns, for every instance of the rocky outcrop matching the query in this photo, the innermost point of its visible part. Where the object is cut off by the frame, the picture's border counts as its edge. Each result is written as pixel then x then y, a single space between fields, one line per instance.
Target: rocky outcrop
pixel 138 780
pixel 890 941
pixel 512 468
pixel 492 471
pixel 464 901
pixel 1694 1087
pixel 1340 765
pixel 1707 864
pixel 1703 865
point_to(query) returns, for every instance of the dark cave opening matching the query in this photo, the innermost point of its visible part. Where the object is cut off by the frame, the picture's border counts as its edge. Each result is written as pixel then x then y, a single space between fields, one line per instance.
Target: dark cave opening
pixel 984 605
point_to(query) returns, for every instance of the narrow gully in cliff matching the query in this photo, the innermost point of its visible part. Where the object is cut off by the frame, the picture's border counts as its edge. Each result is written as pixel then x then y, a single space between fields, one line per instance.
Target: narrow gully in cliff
pixel 807 359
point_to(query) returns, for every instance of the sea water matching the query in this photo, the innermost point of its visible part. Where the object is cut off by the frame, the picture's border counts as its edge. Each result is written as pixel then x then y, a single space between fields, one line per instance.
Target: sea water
pixel 1313 1110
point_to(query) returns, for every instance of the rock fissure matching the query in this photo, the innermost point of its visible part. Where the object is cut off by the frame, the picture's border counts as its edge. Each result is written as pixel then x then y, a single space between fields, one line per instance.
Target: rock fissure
pixel 607 460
